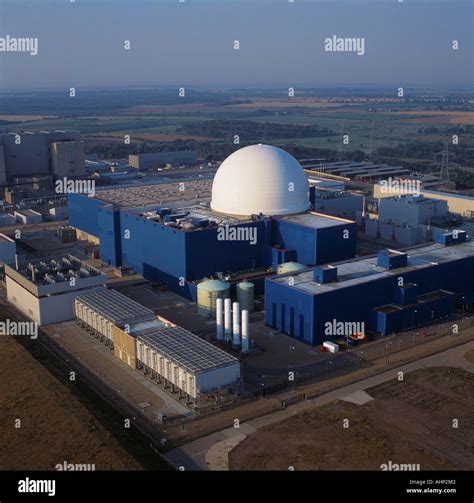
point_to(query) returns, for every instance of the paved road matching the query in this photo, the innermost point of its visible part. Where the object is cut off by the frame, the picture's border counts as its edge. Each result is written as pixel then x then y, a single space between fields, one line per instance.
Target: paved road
pixel 192 456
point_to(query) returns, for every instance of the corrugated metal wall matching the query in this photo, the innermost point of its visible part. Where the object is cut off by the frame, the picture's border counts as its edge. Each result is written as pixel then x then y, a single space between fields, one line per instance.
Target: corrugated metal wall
pixel 353 304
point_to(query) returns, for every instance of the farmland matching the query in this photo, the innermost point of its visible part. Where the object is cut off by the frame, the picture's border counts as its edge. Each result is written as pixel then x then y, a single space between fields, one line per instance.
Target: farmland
pixel 314 121
pixel 406 422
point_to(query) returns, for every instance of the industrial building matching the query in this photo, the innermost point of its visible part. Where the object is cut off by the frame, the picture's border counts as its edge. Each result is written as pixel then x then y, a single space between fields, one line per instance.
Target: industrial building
pixel 388 293
pixel 257 216
pixel 410 219
pixel 28 217
pixel 159 159
pixel 337 202
pixel 358 171
pixel 44 289
pixel 7 249
pixel 184 362
pixel 26 154
pixel 103 309
pixel 180 361
pixel 457 203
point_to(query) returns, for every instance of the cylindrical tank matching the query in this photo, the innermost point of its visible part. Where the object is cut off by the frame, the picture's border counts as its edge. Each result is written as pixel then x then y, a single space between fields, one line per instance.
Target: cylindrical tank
pixel 236 324
pixel 246 295
pixel 228 319
pixel 219 319
pixel 207 293
pixel 287 267
pixel 245 331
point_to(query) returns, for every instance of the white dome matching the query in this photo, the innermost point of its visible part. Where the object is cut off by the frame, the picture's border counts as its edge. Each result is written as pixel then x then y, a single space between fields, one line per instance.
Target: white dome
pixel 260 179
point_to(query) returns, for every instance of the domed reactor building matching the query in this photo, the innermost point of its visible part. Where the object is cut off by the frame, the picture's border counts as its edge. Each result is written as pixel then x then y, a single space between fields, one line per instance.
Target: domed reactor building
pixel 260 180
pixel 246 224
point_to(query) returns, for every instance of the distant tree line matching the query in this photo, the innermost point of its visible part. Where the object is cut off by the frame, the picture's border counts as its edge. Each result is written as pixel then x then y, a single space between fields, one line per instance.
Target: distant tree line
pixel 251 130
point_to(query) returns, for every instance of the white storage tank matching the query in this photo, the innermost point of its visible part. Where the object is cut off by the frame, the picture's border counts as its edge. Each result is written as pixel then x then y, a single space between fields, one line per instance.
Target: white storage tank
pixel 207 293
pixel 246 295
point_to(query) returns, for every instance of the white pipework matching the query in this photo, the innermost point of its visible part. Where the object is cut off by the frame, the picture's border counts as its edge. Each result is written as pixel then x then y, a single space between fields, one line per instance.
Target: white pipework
pixel 228 319
pixel 219 319
pixel 236 324
pixel 245 331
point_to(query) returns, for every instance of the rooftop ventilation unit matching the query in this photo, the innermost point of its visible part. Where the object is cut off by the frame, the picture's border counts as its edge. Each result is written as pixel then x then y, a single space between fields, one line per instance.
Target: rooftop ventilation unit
pixel 392 259
pixel 452 238
pixel 325 274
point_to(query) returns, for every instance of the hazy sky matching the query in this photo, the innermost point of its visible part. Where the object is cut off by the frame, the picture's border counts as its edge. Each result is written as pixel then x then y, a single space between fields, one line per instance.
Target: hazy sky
pixel 281 43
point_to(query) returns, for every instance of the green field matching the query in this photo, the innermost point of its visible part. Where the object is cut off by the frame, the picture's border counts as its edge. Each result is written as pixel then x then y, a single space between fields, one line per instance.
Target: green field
pixel 367 129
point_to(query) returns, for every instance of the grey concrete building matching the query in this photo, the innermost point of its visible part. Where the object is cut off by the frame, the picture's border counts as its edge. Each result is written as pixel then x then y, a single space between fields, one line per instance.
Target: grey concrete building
pixel 27 154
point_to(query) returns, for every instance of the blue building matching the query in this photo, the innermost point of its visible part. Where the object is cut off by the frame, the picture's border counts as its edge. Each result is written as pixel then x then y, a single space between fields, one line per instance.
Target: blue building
pixel 388 293
pixel 258 217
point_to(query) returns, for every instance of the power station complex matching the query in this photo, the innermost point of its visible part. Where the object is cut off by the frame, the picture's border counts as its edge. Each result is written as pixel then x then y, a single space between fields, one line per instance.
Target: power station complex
pixel 257 225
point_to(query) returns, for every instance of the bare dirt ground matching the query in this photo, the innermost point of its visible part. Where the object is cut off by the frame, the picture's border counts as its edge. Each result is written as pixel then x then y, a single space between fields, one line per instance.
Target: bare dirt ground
pixel 409 422
pixel 469 355
pixel 55 425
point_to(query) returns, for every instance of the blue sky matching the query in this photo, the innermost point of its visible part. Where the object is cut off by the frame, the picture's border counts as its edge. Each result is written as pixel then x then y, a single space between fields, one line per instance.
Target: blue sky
pixel 281 43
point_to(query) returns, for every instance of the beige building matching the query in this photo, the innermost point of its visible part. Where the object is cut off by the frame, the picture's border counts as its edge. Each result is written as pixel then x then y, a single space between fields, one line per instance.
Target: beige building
pixel 125 347
pixel 67 159
pixel 45 289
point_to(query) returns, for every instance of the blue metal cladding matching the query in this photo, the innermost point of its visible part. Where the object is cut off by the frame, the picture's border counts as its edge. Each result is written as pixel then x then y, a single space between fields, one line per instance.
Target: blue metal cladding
pixel 451 238
pixel 354 303
pixel 411 316
pixel 207 254
pixel 406 294
pixel 280 256
pixel 296 237
pixel 336 243
pixel 162 253
pixel 312 195
pixel 390 260
pixel 152 249
pixel 317 245
pixel 287 312
pixel 110 242
pixel 83 213
pixel 325 274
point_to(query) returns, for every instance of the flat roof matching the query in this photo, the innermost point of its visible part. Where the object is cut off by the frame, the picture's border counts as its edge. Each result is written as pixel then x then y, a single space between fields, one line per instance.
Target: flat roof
pixel 195 212
pixel 186 349
pixel 115 307
pixel 315 220
pixel 160 194
pixel 359 271
pixel 59 269
pixel 27 212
